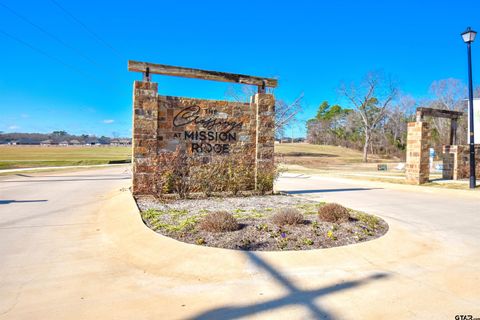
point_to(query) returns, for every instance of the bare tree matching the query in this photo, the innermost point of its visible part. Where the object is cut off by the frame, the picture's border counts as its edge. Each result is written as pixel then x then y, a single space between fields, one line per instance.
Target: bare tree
pixel 285 112
pixel 450 94
pixel 371 99
pixel 401 112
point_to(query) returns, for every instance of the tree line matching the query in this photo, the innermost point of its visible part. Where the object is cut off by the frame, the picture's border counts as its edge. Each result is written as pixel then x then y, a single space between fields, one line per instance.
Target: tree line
pixel 54 137
pixel 375 114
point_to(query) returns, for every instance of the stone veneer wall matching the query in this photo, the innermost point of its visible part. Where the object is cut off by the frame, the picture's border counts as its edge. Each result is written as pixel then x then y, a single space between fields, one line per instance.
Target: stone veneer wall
pixel 456 162
pixel 265 133
pixel 154 130
pixel 417 167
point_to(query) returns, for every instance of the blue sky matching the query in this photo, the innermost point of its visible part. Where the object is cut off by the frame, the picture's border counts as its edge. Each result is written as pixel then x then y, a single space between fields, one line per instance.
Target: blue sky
pixel 82 84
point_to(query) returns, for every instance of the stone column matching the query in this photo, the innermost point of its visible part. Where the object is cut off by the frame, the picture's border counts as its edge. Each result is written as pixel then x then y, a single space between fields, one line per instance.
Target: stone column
pixel 144 142
pixel 462 162
pixel 417 169
pixel 265 140
pixel 449 160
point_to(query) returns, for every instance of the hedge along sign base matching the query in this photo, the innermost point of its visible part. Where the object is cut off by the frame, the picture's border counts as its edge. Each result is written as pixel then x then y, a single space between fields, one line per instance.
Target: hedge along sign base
pixel 198 128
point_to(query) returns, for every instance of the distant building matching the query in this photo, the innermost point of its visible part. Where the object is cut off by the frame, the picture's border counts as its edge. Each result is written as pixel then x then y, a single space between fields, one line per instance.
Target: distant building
pixel 92 143
pixel 27 141
pixel 75 142
pixel 120 142
pixel 46 142
pixel 63 143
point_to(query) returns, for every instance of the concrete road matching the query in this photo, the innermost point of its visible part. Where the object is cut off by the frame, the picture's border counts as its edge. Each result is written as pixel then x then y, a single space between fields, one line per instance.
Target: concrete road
pixel 453 215
pixel 46 220
pixel 72 246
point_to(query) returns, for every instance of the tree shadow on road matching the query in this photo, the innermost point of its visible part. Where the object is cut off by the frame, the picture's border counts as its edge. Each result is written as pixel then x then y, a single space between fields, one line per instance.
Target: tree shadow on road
pixel 295 296
pixel 20 201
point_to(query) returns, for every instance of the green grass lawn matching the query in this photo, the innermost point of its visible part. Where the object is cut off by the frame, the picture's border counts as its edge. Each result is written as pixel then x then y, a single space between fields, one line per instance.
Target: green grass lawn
pixel 12 157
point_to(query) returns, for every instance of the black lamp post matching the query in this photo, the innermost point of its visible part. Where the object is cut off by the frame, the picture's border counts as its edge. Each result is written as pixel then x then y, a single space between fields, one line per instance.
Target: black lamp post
pixel 468 37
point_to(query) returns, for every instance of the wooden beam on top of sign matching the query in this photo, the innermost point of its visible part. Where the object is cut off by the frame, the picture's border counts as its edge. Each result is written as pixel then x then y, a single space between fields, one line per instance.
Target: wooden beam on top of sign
pixel 199 74
pixel 425 112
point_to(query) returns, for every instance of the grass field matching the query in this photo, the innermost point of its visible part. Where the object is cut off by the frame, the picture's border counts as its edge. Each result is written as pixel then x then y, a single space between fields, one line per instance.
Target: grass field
pixel 295 154
pixel 12 157
pixel 326 157
pixel 334 161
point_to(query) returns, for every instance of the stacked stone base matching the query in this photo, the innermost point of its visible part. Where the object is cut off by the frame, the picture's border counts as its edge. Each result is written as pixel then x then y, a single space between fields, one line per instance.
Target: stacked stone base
pixel 456 162
pixel 417 167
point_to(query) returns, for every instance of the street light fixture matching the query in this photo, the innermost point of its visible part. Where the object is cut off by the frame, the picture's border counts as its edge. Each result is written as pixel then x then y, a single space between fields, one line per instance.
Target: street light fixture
pixel 468 37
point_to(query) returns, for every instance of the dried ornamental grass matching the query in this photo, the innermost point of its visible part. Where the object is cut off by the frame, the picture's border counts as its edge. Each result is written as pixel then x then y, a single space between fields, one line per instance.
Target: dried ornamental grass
pixel 219 221
pixel 287 216
pixel 333 212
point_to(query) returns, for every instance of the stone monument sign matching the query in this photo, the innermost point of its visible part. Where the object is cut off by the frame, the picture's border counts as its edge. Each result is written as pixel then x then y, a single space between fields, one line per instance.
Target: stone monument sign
pixel 200 128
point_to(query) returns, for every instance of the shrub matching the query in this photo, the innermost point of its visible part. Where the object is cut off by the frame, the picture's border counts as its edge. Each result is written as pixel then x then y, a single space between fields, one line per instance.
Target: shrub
pixel 181 173
pixel 219 221
pixel 229 173
pixel 267 173
pixel 287 216
pixel 173 173
pixel 333 212
pixel 204 177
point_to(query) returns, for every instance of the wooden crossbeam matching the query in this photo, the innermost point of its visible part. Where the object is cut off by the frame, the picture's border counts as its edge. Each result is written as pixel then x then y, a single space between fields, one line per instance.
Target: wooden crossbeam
pixel 439 113
pixel 199 74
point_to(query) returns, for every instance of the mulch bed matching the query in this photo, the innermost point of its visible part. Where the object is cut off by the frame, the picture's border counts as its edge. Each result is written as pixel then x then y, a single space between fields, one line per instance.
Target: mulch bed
pixel 180 219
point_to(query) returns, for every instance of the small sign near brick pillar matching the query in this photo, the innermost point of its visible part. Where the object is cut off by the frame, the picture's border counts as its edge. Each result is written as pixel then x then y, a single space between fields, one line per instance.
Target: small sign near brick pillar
pixel 417 167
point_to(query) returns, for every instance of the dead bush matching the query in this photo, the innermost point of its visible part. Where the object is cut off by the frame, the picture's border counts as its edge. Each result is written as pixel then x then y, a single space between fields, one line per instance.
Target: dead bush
pixel 287 216
pixel 180 173
pixel 219 221
pixel 333 212
pixel 267 173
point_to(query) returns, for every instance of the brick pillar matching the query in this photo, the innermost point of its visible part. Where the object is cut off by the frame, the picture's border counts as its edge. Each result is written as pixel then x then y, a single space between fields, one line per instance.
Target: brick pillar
pixel 449 160
pixel 462 162
pixel 265 139
pixel 417 171
pixel 144 143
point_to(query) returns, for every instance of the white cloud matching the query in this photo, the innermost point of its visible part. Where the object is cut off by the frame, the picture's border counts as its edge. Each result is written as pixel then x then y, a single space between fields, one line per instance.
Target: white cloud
pixel 13 127
pixel 24 115
pixel 108 121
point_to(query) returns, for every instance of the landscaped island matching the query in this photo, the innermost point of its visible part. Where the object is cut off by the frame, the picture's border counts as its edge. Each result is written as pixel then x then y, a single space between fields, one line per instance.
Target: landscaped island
pixel 266 223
